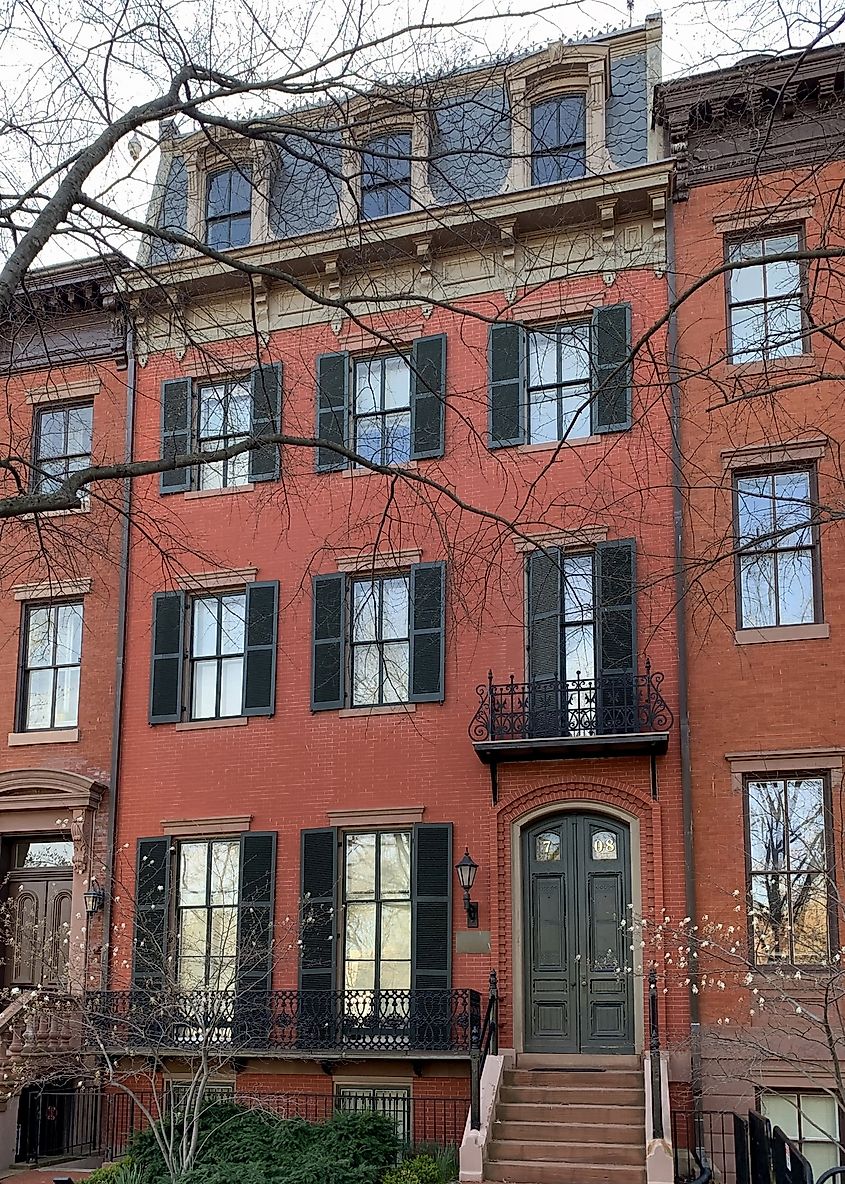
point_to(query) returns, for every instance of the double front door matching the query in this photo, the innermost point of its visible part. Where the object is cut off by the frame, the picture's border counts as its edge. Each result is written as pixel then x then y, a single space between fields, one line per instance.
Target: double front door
pixel 579 990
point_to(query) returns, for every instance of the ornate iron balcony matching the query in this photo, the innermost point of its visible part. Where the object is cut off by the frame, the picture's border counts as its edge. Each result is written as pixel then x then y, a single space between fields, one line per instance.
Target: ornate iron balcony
pixel 301 1022
pixel 577 712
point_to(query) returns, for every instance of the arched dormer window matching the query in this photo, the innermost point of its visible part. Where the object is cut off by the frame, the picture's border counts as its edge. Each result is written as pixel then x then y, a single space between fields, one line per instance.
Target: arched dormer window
pixel 386 175
pixel 558 139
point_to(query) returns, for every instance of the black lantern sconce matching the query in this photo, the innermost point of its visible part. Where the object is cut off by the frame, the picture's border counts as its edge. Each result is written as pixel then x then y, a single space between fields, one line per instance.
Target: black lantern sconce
pixel 466 869
pixel 94 899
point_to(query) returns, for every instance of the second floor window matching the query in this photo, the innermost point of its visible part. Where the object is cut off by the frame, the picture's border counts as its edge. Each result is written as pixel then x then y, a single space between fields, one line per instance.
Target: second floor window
pixel 52 652
pixel 558 140
pixel 559 383
pixel 386 176
pixel 207 914
pixel 765 300
pixel 377 898
pixel 777 550
pixel 380 641
pixel 217 655
pixel 789 870
pixel 62 444
pixel 227 208
pixel 224 413
pixel 383 410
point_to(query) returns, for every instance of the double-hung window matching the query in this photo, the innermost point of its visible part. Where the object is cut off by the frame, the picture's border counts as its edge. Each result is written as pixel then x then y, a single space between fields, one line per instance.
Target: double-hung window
pixel 765 299
pixel 558 140
pixel 62 444
pixel 217 655
pixel 207 914
pixel 789 868
pixel 377 914
pixel 777 549
pixel 224 418
pixel 811 1120
pixel 559 383
pixel 52 652
pixel 380 641
pixel 227 208
pixel 383 409
pixel 386 176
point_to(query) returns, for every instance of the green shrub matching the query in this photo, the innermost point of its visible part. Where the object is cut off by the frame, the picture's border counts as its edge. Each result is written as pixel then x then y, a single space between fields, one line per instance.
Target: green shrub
pixel 446 1159
pixel 123 1172
pixel 422 1169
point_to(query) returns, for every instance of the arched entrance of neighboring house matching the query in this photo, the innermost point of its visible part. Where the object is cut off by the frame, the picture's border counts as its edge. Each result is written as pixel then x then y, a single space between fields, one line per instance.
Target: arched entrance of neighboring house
pixel 40 888
pixel 576 872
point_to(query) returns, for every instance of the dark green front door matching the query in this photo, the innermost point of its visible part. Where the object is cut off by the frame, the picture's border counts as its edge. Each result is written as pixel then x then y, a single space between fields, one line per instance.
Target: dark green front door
pixel 577 871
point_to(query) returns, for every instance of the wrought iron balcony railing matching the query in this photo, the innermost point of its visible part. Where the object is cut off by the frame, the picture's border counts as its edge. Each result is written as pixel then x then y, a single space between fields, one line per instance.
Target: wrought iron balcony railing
pixel 610 705
pixel 324 1022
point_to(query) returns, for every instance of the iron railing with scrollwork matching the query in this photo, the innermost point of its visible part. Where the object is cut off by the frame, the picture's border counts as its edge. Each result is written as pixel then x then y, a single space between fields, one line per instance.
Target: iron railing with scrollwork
pixel 275 1021
pixel 609 705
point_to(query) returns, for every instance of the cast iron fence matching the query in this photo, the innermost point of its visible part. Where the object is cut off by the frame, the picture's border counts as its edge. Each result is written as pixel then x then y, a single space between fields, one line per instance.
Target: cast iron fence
pixel 610 705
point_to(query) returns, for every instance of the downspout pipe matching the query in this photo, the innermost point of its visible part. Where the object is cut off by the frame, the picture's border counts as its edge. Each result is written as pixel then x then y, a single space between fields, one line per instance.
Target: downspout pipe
pixel 680 589
pixel 120 657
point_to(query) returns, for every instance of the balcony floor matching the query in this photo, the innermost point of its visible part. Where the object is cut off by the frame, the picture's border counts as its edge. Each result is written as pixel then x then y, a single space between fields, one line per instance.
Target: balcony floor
pixel 557 748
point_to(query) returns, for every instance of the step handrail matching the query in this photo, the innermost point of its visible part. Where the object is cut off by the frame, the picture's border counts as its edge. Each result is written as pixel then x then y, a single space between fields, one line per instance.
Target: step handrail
pixel 483 1042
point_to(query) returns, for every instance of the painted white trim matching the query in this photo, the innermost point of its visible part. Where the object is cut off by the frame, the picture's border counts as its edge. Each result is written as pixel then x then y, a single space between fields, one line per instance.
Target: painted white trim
pixel 578 806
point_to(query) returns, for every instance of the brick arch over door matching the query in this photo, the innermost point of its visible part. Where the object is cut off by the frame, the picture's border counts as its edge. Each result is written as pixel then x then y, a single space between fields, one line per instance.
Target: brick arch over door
pixel 630 802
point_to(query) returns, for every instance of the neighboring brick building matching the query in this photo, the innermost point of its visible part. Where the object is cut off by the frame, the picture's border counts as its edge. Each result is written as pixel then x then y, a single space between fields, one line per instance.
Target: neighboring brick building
pixel 319 632
pixel 64 405
pixel 760 160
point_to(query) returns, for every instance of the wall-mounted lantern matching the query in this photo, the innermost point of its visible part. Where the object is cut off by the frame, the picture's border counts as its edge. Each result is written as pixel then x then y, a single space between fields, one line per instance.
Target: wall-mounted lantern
pixel 466 869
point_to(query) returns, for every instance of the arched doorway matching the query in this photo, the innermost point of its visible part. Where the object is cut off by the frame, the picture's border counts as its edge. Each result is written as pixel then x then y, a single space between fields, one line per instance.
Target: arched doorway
pixel 576 870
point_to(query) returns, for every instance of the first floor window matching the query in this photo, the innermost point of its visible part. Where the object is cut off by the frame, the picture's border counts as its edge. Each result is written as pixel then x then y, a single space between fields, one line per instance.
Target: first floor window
pixel 52 653
pixel 765 299
pixel 207 914
pixel 789 869
pixel 559 383
pixel 225 411
pixel 811 1120
pixel 393 1102
pixel 62 444
pixel 383 410
pixel 380 641
pixel 217 655
pixel 377 909
pixel 777 549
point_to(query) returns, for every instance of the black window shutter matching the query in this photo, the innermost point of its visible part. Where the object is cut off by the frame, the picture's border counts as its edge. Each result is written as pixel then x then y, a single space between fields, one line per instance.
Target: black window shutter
pixel 544 602
pixel 332 409
pixel 611 368
pixel 167 657
pixel 327 664
pixel 428 632
pixel 617 634
pixel 266 414
pixel 255 910
pixel 152 909
pixel 432 904
pixel 318 880
pixel 508 390
pixel 175 432
pixel 262 611
pixel 428 396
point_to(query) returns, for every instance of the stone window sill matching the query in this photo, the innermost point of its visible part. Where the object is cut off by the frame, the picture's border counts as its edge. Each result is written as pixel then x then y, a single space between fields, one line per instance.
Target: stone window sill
pixel 48 736
pixel 766 365
pixel 83 508
pixel 363 471
pixel 200 725
pixel 782 633
pixel 388 709
pixel 551 445
pixel 224 491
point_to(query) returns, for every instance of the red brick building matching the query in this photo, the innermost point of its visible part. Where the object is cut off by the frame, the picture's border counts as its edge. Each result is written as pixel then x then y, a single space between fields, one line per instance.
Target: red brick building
pixel 758 172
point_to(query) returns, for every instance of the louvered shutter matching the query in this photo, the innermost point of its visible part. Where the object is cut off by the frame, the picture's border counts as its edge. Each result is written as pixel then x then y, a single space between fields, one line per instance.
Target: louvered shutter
pixel 152 909
pixel 255 910
pixel 617 632
pixel 316 1021
pixel 175 432
pixel 431 960
pixel 544 716
pixel 507 380
pixel 262 611
pixel 611 368
pixel 332 409
pixel 428 632
pixel 167 657
pixel 327 662
pixel 428 396
pixel 266 417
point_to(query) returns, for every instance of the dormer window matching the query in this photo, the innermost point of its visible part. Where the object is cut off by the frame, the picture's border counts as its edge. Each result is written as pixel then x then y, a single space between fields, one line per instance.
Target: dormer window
pixel 386 176
pixel 227 208
pixel 558 139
